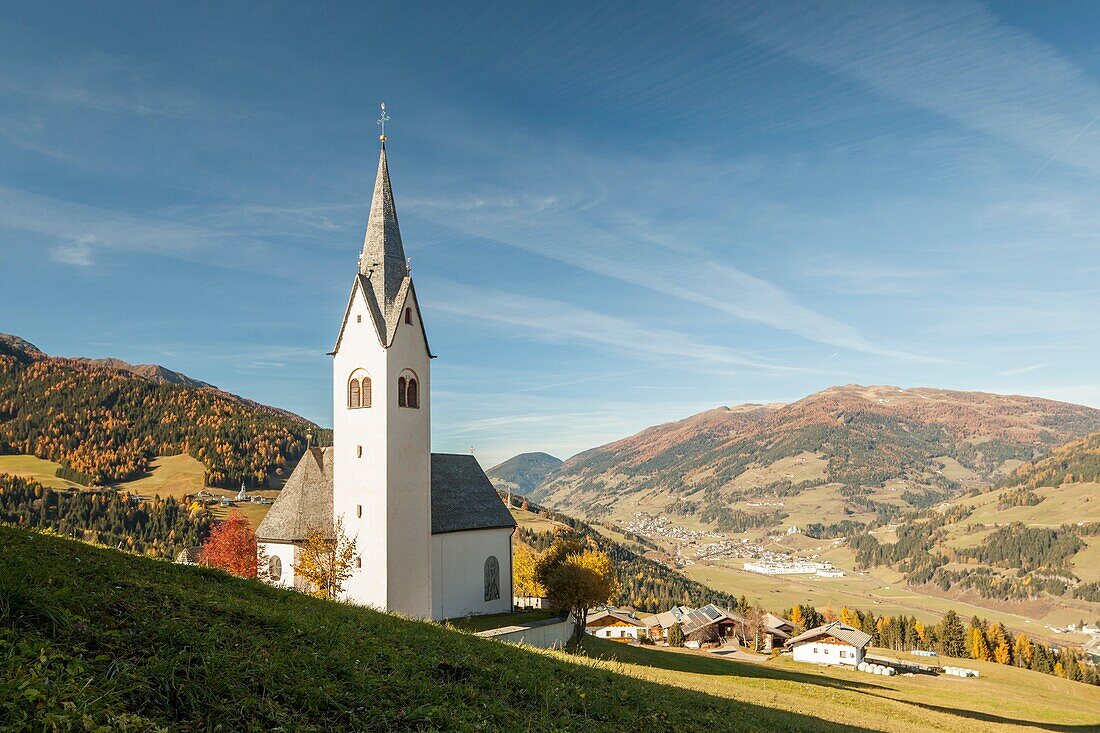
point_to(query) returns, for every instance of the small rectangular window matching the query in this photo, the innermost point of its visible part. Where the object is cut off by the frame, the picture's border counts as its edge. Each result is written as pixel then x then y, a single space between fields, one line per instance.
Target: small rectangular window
pixel 359 319
pixel 358 451
pixel 358 562
pixel 359 511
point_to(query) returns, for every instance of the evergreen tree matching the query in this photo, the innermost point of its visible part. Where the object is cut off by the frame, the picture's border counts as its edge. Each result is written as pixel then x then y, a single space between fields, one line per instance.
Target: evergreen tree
pixel 951 635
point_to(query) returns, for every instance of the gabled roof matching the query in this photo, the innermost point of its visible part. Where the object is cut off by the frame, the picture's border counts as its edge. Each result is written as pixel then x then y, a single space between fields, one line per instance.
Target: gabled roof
pixel 384 327
pixel 463 498
pixel 616 614
pixel 775 622
pixel 305 502
pixel 836 629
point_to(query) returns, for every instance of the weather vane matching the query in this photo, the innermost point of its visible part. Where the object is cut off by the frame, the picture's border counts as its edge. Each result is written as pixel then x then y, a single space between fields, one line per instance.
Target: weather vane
pixel 382 120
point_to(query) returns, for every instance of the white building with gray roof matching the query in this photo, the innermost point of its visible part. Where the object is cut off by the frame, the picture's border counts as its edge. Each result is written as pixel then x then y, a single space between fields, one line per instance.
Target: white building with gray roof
pixel 433 537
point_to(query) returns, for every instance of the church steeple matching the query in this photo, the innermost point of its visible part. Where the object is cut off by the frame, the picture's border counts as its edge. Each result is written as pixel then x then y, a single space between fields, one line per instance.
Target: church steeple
pixel 383 258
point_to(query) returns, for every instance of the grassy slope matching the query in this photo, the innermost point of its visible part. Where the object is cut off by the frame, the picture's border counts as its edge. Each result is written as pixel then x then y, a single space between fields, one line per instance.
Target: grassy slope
pixel 1004 698
pixel 39 469
pixel 173 476
pixel 136 644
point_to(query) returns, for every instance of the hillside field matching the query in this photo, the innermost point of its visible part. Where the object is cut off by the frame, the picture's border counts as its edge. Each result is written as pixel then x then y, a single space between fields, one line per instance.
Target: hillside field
pixel 174 476
pixel 96 637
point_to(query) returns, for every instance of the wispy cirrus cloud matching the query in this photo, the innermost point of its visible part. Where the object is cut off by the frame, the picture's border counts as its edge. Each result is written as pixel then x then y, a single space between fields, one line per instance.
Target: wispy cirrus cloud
pixel 957 59
pixel 567 217
pixel 1020 371
pixel 558 321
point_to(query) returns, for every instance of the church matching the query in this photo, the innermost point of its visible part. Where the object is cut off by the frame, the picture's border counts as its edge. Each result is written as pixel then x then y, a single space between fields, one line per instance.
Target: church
pixel 433 538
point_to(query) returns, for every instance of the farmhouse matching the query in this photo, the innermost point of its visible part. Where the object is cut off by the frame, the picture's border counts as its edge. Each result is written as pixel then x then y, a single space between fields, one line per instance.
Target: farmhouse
pixel 833 643
pixel 657 626
pixel 613 623
pixel 710 624
pixel 433 538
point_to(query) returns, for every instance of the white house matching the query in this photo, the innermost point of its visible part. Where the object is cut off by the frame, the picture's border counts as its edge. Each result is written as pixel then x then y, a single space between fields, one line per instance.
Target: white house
pixel 612 623
pixel 833 643
pixel 433 537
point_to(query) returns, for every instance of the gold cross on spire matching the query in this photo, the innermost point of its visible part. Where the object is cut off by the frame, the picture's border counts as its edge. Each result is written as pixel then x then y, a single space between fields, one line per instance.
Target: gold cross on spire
pixel 382 120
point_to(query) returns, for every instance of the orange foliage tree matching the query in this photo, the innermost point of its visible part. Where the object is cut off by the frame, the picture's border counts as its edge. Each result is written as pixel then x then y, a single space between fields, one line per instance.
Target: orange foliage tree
pixel 231 547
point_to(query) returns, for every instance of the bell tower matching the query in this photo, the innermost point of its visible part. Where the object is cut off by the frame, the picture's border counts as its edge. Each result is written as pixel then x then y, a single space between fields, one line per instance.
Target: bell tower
pixel 382 421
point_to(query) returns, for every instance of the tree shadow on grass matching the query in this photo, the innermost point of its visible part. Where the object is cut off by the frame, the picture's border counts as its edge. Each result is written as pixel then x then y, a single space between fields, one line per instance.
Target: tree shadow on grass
pixel 694 663
pixel 995 719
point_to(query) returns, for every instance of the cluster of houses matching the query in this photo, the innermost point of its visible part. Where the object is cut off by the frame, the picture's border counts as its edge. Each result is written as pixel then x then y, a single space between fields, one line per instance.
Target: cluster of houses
pixel 714 626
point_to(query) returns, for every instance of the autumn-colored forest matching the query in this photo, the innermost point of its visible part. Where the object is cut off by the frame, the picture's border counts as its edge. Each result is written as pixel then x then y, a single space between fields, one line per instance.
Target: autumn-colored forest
pixel 105 425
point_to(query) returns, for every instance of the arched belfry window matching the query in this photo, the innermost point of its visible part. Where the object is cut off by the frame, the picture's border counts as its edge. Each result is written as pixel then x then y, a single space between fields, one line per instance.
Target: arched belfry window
pixel 408 390
pixel 408 315
pixel 359 389
pixel 492 579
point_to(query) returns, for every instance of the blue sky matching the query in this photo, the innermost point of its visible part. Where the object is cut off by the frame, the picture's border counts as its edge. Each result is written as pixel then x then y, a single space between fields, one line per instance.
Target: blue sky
pixel 617 214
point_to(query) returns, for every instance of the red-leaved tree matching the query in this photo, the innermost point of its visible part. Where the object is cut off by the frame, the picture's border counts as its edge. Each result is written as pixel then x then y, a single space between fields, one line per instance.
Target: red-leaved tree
pixel 231 546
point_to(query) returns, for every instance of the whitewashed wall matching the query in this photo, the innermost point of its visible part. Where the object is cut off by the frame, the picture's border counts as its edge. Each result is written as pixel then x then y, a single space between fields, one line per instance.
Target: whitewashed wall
pixel 553 634
pixel 389 484
pixel 615 632
pixel 827 653
pixel 286 554
pixel 458 572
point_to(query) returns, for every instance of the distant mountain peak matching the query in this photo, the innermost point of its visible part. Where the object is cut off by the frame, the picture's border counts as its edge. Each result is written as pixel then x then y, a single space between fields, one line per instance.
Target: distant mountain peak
pixel 525 472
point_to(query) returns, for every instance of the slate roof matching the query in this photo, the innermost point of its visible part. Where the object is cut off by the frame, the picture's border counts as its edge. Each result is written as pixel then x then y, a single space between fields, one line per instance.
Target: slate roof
pixel 305 502
pixel 383 276
pixel 462 498
pixel 844 632
pixel 383 259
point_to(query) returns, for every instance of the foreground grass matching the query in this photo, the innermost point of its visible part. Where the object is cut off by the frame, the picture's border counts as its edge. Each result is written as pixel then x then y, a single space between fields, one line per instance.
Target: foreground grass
pixel 94 639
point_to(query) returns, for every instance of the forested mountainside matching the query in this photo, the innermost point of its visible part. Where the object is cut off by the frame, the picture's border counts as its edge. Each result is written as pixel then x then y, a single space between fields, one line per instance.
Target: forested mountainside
pixel 645 584
pixel 925 442
pixel 1075 462
pixel 1032 537
pixel 103 423
pixel 521 474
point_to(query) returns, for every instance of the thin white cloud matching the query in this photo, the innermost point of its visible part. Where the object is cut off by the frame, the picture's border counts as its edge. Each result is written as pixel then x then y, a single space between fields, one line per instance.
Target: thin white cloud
pixel 558 321
pixel 78 253
pixel 1020 371
pixel 957 59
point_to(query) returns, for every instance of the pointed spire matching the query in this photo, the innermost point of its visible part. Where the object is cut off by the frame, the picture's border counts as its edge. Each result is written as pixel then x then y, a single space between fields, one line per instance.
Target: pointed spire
pixel 383 258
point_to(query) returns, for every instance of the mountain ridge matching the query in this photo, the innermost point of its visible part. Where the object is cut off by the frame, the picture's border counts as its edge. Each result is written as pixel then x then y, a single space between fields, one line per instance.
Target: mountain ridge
pixel 862 439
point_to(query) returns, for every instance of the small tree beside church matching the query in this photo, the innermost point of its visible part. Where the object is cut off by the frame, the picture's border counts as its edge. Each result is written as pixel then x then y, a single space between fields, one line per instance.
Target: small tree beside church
pixel 576 579
pixel 231 547
pixel 524 582
pixel 326 563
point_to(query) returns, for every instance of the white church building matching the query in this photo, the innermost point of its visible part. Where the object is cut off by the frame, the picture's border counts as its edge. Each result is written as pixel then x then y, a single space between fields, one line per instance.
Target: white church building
pixel 433 538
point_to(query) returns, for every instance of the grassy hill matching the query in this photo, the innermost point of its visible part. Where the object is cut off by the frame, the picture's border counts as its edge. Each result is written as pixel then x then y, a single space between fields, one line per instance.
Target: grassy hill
pixel 866 450
pixel 95 639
